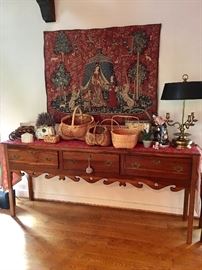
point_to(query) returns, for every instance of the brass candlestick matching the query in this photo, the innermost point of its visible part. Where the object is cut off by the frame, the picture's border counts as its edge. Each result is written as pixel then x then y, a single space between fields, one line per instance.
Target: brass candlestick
pixel 182 140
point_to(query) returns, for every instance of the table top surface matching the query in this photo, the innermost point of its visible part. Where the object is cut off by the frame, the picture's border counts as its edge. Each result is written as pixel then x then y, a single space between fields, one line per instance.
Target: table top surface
pixel 75 144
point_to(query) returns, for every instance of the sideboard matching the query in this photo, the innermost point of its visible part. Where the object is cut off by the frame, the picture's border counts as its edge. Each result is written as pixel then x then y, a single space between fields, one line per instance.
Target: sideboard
pixel 178 169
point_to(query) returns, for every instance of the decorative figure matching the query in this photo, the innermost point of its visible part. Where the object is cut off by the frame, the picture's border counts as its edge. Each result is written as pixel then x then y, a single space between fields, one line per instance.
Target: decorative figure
pixel 156 145
pixel 160 131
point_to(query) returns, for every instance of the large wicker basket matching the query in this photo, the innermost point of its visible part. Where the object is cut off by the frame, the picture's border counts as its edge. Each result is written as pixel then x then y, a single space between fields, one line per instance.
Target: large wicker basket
pixel 123 137
pixel 75 126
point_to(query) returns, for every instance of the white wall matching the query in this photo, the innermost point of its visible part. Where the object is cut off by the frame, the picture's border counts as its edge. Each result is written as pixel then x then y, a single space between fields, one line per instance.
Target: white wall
pixel 22 83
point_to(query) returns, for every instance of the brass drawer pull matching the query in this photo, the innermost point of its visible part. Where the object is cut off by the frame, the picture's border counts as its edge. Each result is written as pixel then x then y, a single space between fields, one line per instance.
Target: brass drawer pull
pixel 178 168
pixel 156 161
pixel 135 165
pixel 34 153
pixel 108 163
pixel 16 157
pixel 72 161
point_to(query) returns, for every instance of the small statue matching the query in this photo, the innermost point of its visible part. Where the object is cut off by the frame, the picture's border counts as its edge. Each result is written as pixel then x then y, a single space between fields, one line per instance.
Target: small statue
pixel 160 131
pixel 156 145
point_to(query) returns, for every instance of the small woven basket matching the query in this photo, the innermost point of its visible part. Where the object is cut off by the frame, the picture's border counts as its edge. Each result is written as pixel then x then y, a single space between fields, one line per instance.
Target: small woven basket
pixel 51 138
pixel 75 126
pixel 124 137
pixel 98 134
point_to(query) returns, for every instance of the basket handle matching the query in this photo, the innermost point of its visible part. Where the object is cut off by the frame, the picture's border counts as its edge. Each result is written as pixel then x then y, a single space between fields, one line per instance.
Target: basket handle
pixel 99 124
pixel 126 117
pixel 94 128
pixel 94 131
pixel 64 118
pixel 77 108
pixel 111 120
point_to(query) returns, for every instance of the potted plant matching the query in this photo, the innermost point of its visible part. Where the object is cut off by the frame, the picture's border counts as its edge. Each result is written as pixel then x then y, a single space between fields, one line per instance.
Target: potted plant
pixel 147 137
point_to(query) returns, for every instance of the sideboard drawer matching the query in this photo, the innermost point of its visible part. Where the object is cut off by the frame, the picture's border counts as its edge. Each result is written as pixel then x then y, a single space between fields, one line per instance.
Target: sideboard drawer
pixel 149 166
pixel 102 164
pixel 29 158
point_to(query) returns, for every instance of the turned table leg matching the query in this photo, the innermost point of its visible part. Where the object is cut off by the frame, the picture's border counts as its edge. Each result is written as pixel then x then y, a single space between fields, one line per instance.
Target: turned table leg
pixel 11 195
pixel 186 202
pixel 30 187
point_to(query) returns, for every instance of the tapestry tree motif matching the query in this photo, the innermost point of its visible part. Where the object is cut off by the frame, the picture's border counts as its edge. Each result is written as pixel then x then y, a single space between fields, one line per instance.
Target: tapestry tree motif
pixel 107 71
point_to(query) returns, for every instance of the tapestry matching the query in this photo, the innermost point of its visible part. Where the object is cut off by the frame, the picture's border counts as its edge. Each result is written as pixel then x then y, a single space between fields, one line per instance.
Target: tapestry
pixel 106 71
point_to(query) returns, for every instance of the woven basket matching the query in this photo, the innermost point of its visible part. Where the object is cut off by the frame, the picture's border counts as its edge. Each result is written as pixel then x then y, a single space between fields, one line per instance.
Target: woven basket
pixel 124 137
pixel 98 135
pixel 75 126
pixel 138 126
pixel 51 138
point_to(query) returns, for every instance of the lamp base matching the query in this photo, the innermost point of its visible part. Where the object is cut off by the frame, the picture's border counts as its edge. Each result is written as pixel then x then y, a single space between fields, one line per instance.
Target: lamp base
pixel 180 143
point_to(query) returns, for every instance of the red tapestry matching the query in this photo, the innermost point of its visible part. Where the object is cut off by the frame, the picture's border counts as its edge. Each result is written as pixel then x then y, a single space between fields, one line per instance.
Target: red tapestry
pixel 107 71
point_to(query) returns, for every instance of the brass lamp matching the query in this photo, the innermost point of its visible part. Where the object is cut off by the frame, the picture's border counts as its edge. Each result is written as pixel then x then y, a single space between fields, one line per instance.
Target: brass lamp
pixel 182 91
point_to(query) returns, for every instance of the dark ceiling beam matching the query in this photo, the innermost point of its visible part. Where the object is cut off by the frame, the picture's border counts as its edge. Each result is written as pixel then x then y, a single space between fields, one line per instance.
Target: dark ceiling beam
pixel 47 8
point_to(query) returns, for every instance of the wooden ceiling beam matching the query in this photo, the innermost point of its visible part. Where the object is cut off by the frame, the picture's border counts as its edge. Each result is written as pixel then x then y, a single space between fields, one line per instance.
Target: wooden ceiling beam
pixel 47 8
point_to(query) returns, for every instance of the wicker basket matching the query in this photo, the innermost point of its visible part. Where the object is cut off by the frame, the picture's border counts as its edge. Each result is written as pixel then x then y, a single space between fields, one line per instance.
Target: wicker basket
pixel 124 137
pixel 75 126
pixel 98 135
pixel 51 138
pixel 138 126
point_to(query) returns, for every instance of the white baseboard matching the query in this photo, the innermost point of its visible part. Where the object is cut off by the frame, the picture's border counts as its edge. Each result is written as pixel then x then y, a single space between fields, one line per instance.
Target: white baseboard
pixel 103 202
pixel 21 193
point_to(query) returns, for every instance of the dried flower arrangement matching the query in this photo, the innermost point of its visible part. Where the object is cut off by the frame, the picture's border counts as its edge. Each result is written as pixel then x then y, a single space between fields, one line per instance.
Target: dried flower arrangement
pixel 45 119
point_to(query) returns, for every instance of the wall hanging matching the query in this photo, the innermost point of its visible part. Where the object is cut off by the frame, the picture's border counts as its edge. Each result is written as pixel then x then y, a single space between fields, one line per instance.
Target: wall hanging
pixel 106 71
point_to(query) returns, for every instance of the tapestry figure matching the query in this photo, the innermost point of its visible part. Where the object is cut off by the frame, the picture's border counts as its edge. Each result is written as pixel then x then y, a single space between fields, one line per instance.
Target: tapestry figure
pixel 95 88
pixel 74 96
pixel 112 99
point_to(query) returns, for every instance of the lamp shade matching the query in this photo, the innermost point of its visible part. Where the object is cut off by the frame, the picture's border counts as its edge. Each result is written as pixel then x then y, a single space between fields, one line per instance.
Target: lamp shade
pixel 182 90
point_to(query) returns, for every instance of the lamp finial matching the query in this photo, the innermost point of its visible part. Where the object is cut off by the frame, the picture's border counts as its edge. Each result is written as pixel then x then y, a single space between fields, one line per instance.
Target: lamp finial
pixel 185 77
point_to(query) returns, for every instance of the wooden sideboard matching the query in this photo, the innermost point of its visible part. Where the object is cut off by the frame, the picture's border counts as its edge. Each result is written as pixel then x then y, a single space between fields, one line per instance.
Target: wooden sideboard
pixel 178 169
